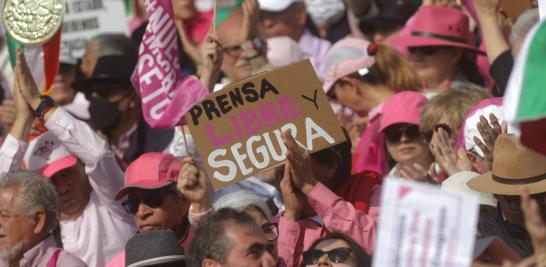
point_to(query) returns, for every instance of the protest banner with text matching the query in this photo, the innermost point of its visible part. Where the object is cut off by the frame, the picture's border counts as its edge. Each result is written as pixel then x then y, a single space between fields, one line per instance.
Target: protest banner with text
pixel 237 130
pixel 421 225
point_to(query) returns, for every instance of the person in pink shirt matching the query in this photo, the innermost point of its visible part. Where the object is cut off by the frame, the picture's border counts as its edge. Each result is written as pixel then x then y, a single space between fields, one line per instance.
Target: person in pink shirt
pixel 164 193
pixel 313 208
pixel 361 76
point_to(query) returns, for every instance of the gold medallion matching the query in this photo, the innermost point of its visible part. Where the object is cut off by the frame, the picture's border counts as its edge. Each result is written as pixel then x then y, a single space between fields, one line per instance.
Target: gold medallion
pixel 33 22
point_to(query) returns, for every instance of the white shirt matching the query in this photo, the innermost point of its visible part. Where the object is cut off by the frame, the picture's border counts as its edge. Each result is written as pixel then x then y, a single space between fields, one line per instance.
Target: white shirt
pixel 104 227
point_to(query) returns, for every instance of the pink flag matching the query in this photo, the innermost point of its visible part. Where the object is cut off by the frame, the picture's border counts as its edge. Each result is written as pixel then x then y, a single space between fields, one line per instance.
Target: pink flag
pixel 166 94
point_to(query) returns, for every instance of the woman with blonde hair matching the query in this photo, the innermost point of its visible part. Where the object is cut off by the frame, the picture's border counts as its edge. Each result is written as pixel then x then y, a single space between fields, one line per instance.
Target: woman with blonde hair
pixel 361 75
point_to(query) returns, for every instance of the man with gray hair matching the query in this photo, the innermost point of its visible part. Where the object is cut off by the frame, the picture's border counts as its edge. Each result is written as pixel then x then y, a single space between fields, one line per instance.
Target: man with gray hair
pixel 230 238
pixel 28 215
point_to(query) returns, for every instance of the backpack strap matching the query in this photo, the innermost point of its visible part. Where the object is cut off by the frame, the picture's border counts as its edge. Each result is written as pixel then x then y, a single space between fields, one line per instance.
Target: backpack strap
pixel 53 260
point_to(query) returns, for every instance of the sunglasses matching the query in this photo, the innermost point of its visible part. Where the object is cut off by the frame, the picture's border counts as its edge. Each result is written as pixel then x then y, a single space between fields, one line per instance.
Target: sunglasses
pixel 393 134
pixel 514 202
pixel 428 135
pixel 423 50
pixel 236 50
pixel 151 198
pixel 271 231
pixel 337 255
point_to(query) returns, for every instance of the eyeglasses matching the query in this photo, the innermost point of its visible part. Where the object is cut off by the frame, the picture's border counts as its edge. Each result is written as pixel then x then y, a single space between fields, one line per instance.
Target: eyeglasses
pixel 151 198
pixel 271 231
pixel 424 50
pixel 337 255
pixel 393 134
pixel 236 50
pixel 428 135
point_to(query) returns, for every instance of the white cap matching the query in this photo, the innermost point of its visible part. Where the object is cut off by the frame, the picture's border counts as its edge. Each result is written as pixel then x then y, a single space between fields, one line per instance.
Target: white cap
pixel 471 129
pixel 276 5
pixel 457 183
pixel 47 155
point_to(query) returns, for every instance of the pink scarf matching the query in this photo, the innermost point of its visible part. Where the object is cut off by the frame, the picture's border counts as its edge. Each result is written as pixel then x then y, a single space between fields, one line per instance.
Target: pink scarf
pixel 166 95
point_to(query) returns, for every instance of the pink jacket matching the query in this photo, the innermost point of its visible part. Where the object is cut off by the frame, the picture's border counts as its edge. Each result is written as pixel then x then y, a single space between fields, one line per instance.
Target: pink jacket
pixel 370 154
pixel 337 215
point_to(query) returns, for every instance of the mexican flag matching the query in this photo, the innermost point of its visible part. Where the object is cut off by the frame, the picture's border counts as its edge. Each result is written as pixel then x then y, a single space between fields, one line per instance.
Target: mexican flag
pixel 43 60
pixel 525 99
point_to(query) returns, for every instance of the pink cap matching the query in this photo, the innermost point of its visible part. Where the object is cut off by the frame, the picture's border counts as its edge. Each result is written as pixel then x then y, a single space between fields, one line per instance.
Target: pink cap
pixel 47 155
pixel 347 56
pixel 438 26
pixel 403 107
pixel 150 171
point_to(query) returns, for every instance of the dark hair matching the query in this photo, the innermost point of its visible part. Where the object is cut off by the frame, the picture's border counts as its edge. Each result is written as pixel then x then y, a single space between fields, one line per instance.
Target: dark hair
pixel 469 68
pixel 362 257
pixel 210 240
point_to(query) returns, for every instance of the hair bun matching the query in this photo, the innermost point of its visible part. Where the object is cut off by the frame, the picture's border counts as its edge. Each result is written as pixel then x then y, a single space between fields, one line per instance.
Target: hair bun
pixel 372 48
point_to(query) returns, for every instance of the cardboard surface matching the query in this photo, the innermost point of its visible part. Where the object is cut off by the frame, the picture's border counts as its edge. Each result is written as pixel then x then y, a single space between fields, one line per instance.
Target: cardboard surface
pixel 514 8
pixel 237 130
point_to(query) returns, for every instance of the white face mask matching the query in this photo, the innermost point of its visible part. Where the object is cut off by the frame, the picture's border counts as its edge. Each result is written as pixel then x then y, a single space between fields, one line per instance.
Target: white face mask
pixel 325 12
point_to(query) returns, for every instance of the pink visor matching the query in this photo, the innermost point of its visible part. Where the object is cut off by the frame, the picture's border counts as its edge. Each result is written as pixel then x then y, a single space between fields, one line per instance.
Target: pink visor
pixel 58 165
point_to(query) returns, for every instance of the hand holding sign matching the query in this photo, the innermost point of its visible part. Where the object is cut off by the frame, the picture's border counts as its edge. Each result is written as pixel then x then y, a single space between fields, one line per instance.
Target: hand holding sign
pixel 193 185
pixel 212 57
pixel 300 164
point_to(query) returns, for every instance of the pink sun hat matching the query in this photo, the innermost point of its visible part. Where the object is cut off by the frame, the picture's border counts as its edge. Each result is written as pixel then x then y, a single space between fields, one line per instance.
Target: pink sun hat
pixel 347 56
pixel 403 107
pixel 47 155
pixel 438 26
pixel 152 170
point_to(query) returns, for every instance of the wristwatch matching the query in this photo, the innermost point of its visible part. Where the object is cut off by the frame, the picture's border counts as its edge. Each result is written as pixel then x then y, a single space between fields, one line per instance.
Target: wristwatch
pixel 46 103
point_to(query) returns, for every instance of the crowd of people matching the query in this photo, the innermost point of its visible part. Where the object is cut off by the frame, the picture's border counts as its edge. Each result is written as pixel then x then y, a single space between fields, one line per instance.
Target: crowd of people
pixel 417 87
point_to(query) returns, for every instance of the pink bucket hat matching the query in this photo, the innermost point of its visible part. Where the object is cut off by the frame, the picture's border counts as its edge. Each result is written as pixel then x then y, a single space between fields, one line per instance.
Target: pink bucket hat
pixel 347 56
pixel 47 155
pixel 403 107
pixel 150 171
pixel 438 26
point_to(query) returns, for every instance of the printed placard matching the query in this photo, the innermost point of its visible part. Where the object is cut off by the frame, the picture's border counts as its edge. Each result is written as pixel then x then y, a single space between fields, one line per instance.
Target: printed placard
pixel 237 130
pixel 84 19
pixel 421 225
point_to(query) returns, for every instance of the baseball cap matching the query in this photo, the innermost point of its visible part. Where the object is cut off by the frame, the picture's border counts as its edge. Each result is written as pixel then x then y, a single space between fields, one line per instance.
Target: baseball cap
pixel 347 56
pixel 47 155
pixel 276 5
pixel 152 170
pixel 403 107
pixel 154 249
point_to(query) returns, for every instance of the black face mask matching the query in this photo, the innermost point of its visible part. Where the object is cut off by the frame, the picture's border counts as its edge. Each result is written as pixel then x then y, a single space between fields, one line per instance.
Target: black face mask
pixel 105 115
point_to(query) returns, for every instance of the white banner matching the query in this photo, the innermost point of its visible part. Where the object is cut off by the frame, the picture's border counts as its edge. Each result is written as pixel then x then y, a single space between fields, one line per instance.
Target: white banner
pixel 86 18
pixel 421 225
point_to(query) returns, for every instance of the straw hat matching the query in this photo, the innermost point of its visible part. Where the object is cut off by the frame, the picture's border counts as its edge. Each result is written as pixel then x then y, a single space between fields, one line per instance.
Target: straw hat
pixel 514 167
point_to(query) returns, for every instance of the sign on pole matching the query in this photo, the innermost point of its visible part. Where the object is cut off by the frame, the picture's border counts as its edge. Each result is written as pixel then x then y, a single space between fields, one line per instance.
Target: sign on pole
pixel 86 18
pixel 421 225
pixel 237 130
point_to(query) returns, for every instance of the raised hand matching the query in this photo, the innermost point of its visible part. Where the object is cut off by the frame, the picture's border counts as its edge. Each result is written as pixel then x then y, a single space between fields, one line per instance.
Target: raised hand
pixel 193 185
pixel 212 57
pixel 25 81
pixel 535 225
pixel 415 172
pixel 487 8
pixel 489 133
pixel 300 162
pixel 445 155
pixel 251 21
pixel 292 198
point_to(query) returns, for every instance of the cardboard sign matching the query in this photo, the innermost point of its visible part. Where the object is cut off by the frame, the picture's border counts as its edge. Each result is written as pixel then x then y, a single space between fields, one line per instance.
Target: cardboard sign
pixel 514 8
pixel 421 225
pixel 84 19
pixel 237 130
